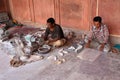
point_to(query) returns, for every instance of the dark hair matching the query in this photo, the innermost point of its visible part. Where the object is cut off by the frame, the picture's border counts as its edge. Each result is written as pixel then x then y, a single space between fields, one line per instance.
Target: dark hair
pixel 51 20
pixel 97 19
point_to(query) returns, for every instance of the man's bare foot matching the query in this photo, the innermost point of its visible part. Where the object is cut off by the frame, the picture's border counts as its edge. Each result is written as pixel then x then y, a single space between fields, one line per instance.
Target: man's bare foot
pixel 87 45
pixel 101 47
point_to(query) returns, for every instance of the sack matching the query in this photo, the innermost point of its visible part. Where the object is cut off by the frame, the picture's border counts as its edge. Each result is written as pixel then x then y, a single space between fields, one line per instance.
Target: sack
pixel 4 17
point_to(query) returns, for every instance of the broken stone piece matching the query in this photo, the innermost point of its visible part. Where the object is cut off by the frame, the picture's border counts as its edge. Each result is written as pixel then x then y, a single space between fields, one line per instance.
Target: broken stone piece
pixel 68 34
pixel 24 58
pixel 78 48
pixel 60 61
pixel 41 57
pixel 35 58
pixel 114 50
pixel 71 48
pixel 52 57
pixel 63 60
pixel 16 62
pixel 27 50
pixel 11 56
pixel 1 32
pixel 61 50
pixel 61 54
pixel 65 52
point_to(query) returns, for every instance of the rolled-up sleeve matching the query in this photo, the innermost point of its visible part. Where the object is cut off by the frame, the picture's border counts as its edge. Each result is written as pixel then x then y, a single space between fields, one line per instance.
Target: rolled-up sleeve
pixel 90 35
pixel 106 34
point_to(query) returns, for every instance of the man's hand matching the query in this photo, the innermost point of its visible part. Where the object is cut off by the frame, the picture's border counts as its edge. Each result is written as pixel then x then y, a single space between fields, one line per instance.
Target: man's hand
pixel 102 45
pixel 53 40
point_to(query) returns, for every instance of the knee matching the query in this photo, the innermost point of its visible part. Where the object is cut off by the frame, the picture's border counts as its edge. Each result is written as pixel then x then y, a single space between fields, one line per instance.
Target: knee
pixel 59 43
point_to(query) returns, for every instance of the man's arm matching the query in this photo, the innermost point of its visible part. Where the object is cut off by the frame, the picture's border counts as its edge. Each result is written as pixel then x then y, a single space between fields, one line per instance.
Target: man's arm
pixel 105 38
pixel 46 34
pixel 106 34
pixel 89 38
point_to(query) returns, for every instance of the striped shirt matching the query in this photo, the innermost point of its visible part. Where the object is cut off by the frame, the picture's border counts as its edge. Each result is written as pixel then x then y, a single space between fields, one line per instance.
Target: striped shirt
pixel 101 34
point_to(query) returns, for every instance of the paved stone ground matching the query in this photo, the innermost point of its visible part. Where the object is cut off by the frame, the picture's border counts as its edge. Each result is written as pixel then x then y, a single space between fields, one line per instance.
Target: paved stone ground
pixel 103 68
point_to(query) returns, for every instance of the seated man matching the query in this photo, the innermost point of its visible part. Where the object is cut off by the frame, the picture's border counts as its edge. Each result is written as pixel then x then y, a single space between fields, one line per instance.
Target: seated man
pixel 100 34
pixel 54 34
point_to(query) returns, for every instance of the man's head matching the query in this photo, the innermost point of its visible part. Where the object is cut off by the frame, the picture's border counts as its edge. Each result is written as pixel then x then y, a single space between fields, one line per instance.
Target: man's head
pixel 50 22
pixel 97 21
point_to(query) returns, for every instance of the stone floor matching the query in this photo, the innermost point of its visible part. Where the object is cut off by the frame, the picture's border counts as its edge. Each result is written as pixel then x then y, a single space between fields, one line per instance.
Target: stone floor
pixel 105 67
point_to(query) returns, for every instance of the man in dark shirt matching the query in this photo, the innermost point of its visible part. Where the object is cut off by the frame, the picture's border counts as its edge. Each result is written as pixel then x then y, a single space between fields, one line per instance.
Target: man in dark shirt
pixel 54 34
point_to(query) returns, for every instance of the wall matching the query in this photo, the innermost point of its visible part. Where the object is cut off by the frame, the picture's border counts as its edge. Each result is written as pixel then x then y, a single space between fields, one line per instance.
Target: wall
pixel 43 11
pixel 75 14
pixel 4 6
pixel 20 10
pixel 66 12
pixel 110 11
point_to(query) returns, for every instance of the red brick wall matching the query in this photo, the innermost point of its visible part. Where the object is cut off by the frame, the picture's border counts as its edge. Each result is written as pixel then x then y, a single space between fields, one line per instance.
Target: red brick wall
pixel 75 13
pixel 3 6
pixel 68 13
pixel 20 9
pixel 110 11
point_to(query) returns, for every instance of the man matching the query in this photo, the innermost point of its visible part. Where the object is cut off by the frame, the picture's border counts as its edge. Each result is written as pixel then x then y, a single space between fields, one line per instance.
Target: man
pixel 54 34
pixel 100 34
